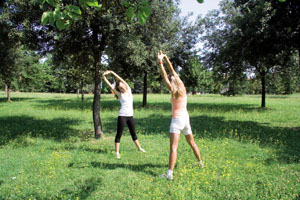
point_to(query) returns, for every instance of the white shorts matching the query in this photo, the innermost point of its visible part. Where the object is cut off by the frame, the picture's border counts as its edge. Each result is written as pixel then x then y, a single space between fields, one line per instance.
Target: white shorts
pixel 181 123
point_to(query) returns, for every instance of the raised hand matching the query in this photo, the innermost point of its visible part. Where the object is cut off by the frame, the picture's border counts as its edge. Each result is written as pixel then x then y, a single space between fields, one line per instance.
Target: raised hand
pixel 160 56
pixel 106 72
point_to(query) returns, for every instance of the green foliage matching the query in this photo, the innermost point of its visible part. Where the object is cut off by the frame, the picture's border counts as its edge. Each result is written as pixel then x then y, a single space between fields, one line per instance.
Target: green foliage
pixel 10 68
pixel 284 78
pixel 48 152
pixel 91 3
pixel 251 39
pixel 8 51
pixel 253 86
pixel 61 16
pixel 65 15
pixel 144 12
pixel 133 48
pixel 197 78
pixel 139 10
pixel 40 78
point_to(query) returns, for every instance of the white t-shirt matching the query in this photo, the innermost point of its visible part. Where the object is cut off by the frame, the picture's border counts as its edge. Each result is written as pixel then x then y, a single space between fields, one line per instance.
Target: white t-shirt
pixel 126 101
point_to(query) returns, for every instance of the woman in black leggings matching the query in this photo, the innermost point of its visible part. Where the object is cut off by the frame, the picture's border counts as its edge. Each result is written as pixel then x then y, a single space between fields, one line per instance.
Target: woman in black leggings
pixel 123 92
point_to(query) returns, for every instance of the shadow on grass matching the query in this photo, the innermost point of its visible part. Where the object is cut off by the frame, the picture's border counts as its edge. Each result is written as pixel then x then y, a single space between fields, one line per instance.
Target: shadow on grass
pixel 114 104
pixel 95 150
pixel 18 126
pixel 155 123
pixel 211 107
pixel 81 190
pixel 65 104
pixel 14 99
pixel 77 104
pixel 145 168
pixel 284 96
pixel 71 147
pixel 284 139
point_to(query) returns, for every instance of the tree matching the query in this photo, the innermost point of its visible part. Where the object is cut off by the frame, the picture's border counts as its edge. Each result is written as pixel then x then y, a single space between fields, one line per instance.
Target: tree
pixel 196 77
pixel 284 77
pixel 28 70
pixel 184 45
pixel 248 42
pixel 133 48
pixel 221 50
pixel 8 50
pixel 135 10
pixel 96 22
pixel 260 46
pixel 9 68
pixel 65 14
pixel 286 23
pixel 26 16
pixel 73 58
pixel 17 21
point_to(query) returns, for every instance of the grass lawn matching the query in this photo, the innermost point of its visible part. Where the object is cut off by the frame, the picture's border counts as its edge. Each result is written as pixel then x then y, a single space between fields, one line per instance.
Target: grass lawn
pixel 48 150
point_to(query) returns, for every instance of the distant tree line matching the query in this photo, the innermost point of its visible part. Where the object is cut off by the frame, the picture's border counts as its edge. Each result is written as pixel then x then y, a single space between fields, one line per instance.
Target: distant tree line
pixel 39 75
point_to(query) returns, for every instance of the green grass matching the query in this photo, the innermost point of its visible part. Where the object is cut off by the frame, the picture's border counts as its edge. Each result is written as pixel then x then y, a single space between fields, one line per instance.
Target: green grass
pixel 48 151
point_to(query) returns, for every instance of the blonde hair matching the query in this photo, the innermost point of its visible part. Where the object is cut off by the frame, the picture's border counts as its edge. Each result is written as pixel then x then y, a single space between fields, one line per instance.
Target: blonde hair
pixel 116 87
pixel 178 88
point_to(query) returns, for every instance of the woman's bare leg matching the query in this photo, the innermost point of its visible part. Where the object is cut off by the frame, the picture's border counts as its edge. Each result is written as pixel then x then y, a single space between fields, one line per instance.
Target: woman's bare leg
pixel 190 140
pixel 136 142
pixel 174 139
pixel 117 146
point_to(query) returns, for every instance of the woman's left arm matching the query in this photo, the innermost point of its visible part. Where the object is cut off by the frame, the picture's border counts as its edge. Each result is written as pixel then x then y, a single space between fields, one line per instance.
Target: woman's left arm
pixel 120 79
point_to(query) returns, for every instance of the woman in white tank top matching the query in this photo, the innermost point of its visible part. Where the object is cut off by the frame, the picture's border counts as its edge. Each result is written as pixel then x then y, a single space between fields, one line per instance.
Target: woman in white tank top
pixel 125 116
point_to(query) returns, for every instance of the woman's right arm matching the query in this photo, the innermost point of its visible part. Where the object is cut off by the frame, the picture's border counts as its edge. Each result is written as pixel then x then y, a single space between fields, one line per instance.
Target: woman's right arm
pixel 109 84
pixel 170 66
pixel 120 79
pixel 162 70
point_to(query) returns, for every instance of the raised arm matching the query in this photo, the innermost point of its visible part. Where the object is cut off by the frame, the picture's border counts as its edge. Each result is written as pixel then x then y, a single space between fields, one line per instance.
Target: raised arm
pixel 109 84
pixel 170 66
pixel 160 57
pixel 120 79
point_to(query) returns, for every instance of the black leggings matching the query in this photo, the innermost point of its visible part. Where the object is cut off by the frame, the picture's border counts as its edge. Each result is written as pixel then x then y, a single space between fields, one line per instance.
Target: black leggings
pixel 121 124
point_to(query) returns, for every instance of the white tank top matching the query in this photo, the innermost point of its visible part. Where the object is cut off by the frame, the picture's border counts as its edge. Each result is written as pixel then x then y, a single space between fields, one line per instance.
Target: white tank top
pixel 126 101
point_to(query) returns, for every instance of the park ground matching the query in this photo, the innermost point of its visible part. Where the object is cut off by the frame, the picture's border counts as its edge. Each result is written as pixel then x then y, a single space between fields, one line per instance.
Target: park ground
pixel 48 150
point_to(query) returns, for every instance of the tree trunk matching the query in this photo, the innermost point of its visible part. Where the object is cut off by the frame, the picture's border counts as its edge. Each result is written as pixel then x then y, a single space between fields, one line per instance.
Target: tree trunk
pixel 160 86
pixel 97 80
pixel 194 91
pixel 8 92
pixel 82 92
pixel 299 58
pixel 96 105
pixel 263 89
pixel 145 89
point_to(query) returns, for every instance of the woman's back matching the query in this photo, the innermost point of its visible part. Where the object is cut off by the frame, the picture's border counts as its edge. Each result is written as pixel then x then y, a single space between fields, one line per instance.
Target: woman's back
pixel 126 100
pixel 179 106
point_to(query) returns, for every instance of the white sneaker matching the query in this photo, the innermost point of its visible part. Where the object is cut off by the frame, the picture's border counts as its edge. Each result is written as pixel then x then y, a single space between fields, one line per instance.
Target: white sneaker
pixel 166 176
pixel 142 150
pixel 118 155
pixel 201 164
